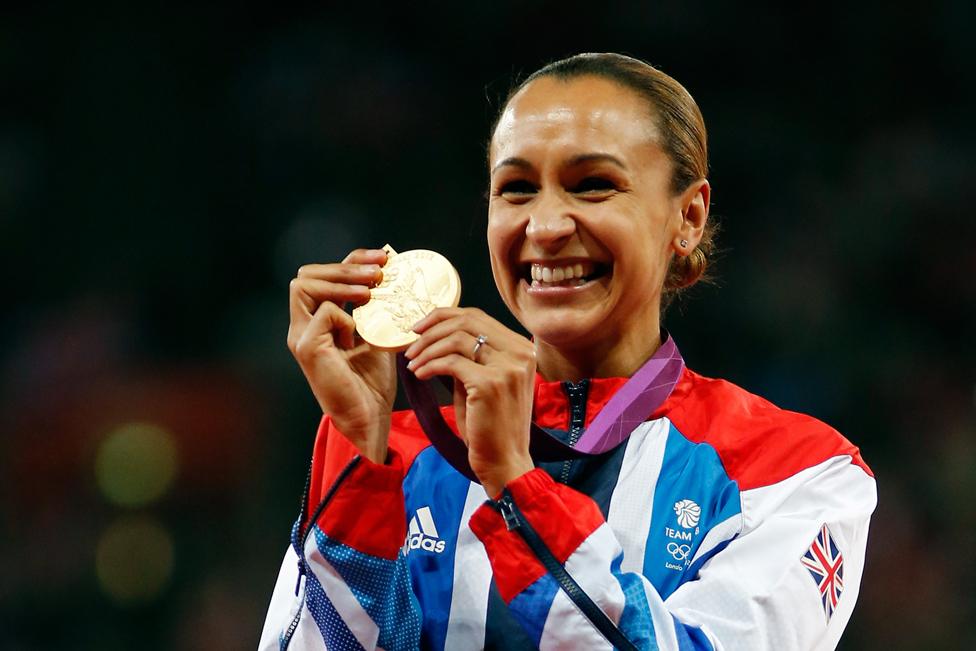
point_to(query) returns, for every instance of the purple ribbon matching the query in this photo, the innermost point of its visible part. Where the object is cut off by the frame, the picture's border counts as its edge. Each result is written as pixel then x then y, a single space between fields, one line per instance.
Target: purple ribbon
pixel 637 399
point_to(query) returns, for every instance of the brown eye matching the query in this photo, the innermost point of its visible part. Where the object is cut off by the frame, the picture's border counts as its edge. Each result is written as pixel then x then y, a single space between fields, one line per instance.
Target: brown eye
pixel 517 187
pixel 517 191
pixel 594 184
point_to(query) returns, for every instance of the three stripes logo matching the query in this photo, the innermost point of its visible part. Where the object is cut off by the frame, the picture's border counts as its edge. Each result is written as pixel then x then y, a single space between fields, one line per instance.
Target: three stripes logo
pixel 422 534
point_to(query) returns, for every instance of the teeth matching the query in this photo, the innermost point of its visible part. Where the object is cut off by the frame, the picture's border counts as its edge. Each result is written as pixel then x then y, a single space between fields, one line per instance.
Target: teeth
pixel 543 274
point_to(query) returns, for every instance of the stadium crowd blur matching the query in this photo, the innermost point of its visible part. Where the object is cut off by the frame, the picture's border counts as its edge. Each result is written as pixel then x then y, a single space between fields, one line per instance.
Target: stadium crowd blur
pixel 163 173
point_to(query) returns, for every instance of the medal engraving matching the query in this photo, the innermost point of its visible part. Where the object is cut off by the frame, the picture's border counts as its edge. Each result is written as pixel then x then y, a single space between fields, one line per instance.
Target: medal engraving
pixel 414 284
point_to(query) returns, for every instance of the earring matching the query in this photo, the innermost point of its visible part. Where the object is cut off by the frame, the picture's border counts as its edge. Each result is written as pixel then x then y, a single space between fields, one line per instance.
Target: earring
pixel 683 244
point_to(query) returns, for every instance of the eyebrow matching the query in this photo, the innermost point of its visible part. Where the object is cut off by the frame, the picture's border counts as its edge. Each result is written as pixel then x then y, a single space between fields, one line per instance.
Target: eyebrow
pixel 596 158
pixel 575 161
pixel 512 161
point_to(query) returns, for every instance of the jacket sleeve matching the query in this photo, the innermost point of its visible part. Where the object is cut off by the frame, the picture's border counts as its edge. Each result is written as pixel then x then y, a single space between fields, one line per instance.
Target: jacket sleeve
pixel 754 591
pixel 344 582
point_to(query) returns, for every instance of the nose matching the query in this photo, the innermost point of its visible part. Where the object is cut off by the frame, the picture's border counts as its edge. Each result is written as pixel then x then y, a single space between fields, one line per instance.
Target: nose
pixel 550 227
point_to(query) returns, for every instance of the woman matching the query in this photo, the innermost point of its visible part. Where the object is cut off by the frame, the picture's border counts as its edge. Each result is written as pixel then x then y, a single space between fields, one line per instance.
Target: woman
pixel 716 520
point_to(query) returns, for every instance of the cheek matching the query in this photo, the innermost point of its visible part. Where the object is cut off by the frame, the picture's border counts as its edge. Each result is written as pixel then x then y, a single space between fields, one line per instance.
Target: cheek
pixel 501 235
pixel 495 247
pixel 641 254
pixel 497 255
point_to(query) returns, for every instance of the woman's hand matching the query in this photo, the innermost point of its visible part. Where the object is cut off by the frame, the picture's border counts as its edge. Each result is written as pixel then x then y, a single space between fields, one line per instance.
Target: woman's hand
pixel 493 387
pixel 353 383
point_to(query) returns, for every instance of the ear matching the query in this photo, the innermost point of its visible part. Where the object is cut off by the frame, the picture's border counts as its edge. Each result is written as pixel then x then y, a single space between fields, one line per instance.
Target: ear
pixel 694 202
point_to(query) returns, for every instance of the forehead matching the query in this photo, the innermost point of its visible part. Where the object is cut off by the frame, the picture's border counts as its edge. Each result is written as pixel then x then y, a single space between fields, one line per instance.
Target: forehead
pixel 585 113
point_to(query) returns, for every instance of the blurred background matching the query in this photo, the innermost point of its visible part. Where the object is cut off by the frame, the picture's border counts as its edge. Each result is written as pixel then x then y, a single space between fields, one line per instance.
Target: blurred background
pixel 165 170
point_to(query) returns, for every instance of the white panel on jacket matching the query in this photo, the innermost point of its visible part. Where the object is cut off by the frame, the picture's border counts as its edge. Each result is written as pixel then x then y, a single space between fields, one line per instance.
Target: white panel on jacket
pixel 756 594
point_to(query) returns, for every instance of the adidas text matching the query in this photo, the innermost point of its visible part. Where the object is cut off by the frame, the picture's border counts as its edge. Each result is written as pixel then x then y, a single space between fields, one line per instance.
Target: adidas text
pixel 422 533
pixel 420 541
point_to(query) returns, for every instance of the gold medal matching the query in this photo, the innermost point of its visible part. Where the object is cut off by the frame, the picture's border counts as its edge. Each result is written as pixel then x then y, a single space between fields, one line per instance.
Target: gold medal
pixel 414 284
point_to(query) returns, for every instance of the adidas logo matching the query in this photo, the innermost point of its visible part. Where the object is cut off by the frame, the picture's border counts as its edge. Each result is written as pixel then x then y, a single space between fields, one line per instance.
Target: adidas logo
pixel 422 534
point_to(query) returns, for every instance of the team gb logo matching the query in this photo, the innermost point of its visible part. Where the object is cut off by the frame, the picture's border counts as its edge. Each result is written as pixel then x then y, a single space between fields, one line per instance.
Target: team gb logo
pixel 688 513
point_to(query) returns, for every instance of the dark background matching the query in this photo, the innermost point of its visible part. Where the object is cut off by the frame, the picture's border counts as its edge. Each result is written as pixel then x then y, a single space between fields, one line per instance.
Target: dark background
pixel 164 171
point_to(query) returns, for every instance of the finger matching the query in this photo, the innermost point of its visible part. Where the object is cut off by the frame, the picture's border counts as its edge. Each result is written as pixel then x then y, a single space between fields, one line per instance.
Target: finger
pixel 306 294
pixel 440 330
pixel 366 256
pixel 330 322
pixel 342 272
pixel 329 317
pixel 473 321
pixel 306 298
pixel 438 315
pixel 312 291
pixel 454 365
pixel 459 342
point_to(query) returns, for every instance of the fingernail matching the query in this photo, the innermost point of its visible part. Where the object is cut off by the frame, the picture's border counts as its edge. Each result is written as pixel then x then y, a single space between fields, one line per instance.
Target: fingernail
pixel 411 364
pixel 370 268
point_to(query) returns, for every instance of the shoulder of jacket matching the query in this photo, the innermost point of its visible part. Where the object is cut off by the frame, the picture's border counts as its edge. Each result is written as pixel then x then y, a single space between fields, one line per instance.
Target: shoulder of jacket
pixel 759 443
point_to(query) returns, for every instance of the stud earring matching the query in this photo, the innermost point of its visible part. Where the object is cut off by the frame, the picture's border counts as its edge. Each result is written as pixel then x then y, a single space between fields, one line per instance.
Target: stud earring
pixel 683 244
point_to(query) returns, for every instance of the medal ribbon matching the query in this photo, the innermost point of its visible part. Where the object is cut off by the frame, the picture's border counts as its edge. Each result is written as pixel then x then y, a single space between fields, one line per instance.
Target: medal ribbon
pixel 630 406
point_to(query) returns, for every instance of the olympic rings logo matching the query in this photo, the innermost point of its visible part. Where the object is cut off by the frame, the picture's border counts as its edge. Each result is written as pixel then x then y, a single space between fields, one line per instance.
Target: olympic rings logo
pixel 680 552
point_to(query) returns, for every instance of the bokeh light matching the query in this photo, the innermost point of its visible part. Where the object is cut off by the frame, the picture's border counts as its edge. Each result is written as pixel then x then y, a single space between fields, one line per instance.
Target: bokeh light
pixel 134 560
pixel 136 464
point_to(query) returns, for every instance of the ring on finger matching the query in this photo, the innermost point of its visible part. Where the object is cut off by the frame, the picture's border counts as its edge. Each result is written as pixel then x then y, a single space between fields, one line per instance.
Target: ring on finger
pixel 479 341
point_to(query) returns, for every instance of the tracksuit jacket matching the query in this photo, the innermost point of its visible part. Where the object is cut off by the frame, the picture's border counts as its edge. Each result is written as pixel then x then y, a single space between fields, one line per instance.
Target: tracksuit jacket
pixel 721 522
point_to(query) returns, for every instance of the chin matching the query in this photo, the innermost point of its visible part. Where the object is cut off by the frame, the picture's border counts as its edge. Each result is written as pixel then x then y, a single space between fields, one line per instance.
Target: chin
pixel 566 331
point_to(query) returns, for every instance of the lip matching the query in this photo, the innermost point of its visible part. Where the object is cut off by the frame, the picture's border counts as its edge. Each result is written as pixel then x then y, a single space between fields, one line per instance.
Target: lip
pixel 592 265
pixel 561 291
pixel 554 291
pixel 552 263
pixel 557 262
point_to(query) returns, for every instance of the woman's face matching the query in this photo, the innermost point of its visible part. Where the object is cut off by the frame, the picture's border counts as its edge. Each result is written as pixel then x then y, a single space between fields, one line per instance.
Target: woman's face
pixel 581 219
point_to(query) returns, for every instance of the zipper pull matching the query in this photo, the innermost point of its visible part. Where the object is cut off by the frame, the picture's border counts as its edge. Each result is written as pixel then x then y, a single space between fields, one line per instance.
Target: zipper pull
pixel 507 508
pixel 301 573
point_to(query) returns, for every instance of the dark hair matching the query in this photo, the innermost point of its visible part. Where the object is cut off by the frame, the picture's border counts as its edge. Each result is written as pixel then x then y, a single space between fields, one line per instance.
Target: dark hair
pixel 681 128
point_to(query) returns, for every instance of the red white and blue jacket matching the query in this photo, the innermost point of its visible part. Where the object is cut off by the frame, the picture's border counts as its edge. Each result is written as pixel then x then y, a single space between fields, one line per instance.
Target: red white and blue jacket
pixel 722 522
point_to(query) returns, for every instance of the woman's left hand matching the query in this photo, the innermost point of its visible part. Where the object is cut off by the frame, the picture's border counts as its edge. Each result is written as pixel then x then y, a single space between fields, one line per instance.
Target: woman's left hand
pixel 494 384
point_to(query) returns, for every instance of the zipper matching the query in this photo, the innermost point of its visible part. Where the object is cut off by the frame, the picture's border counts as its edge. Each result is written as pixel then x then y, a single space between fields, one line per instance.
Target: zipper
pixel 308 486
pixel 576 393
pixel 516 521
pixel 302 515
pixel 304 534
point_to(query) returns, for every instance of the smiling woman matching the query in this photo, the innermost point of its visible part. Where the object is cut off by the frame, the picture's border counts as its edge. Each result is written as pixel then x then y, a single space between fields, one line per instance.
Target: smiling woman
pixel 611 497
pixel 584 177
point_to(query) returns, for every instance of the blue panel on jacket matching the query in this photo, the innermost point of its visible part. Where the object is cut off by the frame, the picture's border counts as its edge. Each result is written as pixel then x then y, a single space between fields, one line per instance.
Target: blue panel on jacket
pixel 692 495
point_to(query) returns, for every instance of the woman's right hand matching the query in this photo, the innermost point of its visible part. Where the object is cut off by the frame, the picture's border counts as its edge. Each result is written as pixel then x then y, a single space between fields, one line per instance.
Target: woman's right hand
pixel 353 383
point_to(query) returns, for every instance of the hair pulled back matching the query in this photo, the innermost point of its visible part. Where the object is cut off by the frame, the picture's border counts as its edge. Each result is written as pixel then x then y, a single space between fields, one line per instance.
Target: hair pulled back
pixel 682 134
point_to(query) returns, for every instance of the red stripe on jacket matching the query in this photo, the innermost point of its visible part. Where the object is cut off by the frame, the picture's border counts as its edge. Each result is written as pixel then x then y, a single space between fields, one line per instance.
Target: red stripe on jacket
pixel 759 443
pixel 368 512
pixel 562 517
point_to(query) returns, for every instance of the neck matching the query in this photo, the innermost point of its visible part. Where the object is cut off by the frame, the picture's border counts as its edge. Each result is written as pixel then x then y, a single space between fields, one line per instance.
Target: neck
pixel 611 357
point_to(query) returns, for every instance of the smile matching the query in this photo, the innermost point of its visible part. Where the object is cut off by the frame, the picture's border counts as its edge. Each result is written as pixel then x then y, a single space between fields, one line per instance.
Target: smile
pixel 564 274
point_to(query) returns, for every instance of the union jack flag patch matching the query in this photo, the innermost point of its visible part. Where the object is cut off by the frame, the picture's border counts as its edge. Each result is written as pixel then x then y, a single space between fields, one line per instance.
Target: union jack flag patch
pixel 826 565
